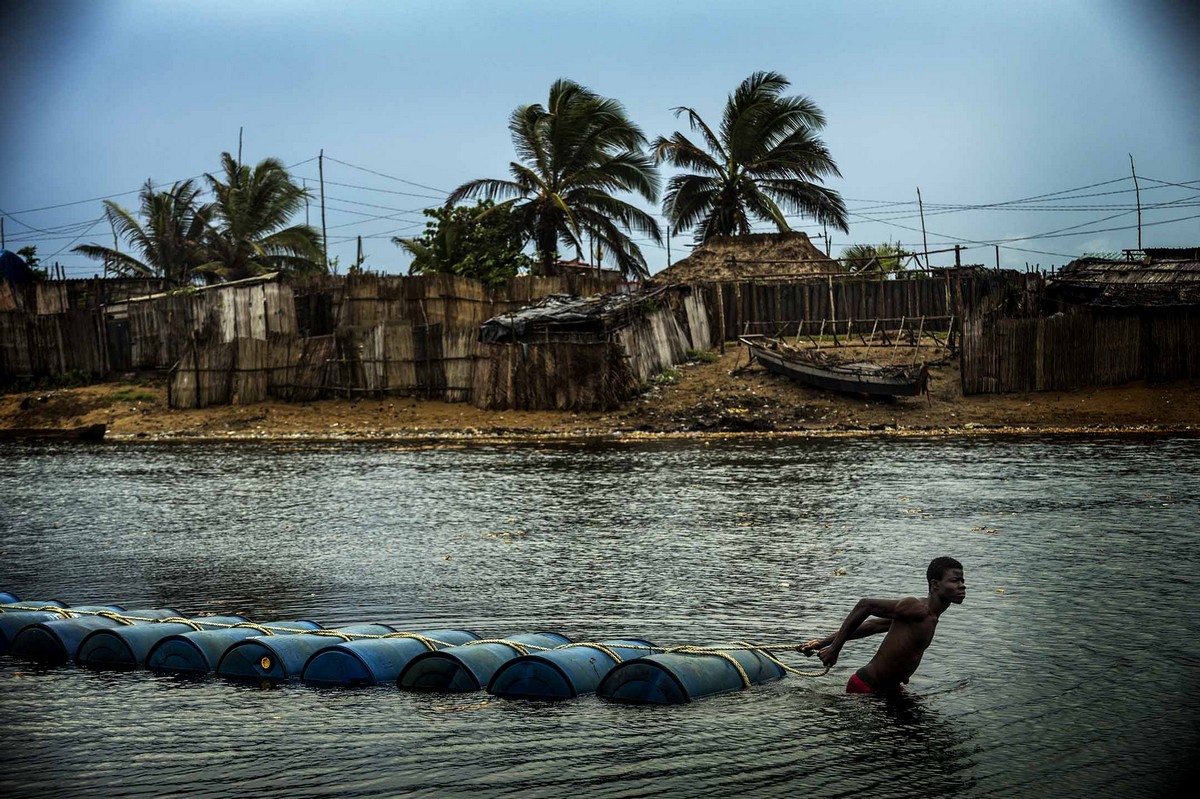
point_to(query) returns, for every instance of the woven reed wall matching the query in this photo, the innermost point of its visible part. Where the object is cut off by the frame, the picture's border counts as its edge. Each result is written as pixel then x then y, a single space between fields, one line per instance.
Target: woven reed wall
pixel 39 345
pixel 1068 351
pixel 566 374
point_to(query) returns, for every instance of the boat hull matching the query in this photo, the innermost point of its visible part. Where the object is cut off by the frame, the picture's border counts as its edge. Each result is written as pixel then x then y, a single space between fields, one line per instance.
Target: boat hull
pixel 847 382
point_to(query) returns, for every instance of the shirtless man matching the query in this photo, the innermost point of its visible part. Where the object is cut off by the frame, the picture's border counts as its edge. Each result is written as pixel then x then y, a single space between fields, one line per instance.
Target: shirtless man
pixel 909 624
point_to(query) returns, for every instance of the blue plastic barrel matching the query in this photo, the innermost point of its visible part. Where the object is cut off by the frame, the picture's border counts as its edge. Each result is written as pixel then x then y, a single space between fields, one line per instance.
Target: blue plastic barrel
pixel 373 661
pixel 53 643
pixel 199 652
pixel 468 667
pixel 673 678
pixel 277 658
pixel 126 647
pixel 563 673
pixel 13 622
pixel 7 598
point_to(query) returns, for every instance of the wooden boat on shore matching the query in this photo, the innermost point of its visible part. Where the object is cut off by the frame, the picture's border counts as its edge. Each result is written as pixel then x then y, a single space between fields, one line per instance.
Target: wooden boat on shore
pixel 820 369
pixel 91 432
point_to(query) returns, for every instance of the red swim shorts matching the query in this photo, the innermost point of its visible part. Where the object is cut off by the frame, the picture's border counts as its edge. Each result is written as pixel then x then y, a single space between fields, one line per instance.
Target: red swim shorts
pixel 857 685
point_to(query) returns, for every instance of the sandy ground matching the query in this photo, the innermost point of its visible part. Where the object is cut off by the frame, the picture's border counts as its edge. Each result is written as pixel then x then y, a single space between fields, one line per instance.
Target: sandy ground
pixel 701 399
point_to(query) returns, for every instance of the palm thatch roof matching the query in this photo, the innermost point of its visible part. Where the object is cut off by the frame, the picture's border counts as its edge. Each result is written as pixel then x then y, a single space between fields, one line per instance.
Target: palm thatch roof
pixel 1119 283
pixel 780 256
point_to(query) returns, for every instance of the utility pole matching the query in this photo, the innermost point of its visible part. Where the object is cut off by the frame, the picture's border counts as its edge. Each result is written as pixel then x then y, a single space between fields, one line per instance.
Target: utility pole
pixel 1 233
pixel 321 174
pixel 1138 194
pixel 239 145
pixel 957 255
pixel 924 238
pixel 997 257
pixel 358 261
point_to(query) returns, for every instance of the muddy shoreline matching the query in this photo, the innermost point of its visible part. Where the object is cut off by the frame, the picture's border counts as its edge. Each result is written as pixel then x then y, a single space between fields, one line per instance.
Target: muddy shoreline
pixel 715 400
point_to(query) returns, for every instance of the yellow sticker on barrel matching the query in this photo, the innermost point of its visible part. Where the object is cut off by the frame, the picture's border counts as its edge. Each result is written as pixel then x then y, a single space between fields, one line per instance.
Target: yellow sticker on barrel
pixel 265 663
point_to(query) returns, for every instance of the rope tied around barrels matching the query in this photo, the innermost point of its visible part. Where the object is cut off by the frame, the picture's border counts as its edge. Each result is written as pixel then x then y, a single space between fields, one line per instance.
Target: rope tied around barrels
pixel 522 649
pixel 252 626
pixel 432 644
pixel 719 650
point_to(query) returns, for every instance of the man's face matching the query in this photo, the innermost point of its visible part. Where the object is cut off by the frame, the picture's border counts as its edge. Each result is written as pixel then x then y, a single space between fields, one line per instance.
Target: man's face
pixel 952 587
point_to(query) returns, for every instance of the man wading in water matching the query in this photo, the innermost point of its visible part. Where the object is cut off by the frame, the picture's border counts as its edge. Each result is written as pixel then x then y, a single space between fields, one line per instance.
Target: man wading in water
pixel 909 624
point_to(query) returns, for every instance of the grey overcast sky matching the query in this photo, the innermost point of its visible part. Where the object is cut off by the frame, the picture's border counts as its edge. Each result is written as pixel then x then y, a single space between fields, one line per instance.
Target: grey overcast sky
pixel 977 103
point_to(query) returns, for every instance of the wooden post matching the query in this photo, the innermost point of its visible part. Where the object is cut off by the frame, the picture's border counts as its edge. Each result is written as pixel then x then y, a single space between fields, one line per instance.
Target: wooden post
pixel 896 343
pixel 324 235
pixel 832 312
pixel 1137 193
pixel 917 344
pixel 721 317
pixel 925 238
pixel 958 255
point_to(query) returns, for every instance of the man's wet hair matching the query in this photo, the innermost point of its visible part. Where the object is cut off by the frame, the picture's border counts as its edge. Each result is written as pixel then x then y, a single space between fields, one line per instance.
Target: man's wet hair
pixel 937 568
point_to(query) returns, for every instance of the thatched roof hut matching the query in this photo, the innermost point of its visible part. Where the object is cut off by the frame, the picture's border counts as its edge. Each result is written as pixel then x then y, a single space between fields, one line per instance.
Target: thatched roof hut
pixel 782 256
pixel 1151 283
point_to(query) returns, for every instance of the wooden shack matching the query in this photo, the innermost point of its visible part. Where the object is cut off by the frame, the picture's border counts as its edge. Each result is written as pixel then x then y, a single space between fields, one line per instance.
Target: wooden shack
pixel 1106 322
pixel 586 353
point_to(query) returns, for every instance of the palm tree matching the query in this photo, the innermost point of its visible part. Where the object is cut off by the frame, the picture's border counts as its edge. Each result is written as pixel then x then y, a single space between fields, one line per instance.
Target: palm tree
pixel 249 234
pixel 766 155
pixel 574 153
pixel 881 259
pixel 168 239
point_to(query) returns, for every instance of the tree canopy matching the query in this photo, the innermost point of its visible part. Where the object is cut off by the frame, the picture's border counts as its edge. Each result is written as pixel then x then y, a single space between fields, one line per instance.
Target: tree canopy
pixel 483 242
pixel 574 154
pixel 242 233
pixel 168 240
pixel 765 159
pixel 249 234
pixel 881 259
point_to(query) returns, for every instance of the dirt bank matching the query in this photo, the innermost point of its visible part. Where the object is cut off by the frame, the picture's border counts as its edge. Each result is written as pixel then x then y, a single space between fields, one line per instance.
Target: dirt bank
pixel 698 398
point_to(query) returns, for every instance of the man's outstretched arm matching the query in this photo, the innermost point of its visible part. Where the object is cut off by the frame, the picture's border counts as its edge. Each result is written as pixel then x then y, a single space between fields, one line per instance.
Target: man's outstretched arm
pixel 872 626
pixel 887 609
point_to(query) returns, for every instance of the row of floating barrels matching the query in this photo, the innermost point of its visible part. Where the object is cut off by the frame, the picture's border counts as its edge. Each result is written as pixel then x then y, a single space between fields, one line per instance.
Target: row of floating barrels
pixel 623 670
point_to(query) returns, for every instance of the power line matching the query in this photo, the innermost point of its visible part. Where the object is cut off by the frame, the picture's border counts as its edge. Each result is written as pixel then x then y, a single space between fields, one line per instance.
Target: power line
pixel 383 191
pixel 389 177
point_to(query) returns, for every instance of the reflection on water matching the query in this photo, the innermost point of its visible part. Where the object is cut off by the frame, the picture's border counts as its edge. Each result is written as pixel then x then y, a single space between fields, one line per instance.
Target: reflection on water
pixel 1070 670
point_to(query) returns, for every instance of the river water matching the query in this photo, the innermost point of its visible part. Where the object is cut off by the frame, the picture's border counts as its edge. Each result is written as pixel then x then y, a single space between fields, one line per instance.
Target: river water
pixel 1071 669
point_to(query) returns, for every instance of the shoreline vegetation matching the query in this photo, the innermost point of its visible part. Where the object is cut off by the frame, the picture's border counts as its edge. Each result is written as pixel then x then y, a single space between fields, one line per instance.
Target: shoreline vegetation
pixel 698 400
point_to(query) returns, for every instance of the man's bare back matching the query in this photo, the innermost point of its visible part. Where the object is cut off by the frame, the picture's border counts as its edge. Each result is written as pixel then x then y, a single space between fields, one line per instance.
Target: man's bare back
pixel 909 623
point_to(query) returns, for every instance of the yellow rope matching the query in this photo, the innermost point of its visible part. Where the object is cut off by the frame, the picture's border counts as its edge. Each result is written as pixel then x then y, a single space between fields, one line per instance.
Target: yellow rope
pixel 431 643
pixel 181 620
pixel 522 649
pixel 251 625
pixel 117 617
pixel 602 647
